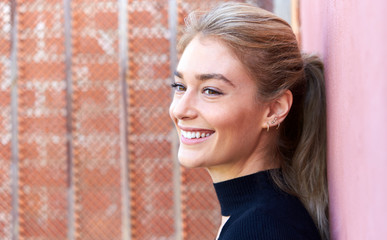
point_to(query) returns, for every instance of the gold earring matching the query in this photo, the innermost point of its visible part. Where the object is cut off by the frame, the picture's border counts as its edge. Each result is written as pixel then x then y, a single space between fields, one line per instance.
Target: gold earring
pixel 268 126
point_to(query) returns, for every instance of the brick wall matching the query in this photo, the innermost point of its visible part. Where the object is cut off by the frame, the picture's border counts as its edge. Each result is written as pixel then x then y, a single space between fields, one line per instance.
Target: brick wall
pixel 41 117
pixel 97 89
pixel 151 168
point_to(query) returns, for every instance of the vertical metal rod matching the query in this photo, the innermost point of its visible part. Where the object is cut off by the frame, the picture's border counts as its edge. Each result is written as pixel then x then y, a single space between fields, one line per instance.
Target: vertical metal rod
pixel 14 124
pixel 295 19
pixel 69 111
pixel 173 21
pixel 123 58
pixel 283 9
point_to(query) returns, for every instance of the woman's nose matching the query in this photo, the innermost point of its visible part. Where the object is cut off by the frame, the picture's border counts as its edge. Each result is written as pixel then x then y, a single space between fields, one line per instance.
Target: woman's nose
pixel 183 107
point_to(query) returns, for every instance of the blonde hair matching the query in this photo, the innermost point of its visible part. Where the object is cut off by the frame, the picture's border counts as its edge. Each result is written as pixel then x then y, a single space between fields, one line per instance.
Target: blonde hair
pixel 267 47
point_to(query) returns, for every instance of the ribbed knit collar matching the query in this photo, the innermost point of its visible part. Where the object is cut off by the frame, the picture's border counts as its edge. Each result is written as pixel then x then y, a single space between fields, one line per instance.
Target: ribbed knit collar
pixel 239 193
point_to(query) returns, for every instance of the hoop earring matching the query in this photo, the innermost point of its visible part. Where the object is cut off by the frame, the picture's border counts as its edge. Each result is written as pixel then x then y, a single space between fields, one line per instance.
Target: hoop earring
pixel 278 125
pixel 268 126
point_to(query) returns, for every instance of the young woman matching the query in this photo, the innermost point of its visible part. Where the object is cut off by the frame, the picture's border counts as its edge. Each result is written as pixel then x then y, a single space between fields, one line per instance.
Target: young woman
pixel 250 108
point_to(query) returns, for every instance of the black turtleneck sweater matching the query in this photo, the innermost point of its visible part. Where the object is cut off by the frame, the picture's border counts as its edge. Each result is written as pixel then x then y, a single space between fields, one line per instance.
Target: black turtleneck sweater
pixel 259 210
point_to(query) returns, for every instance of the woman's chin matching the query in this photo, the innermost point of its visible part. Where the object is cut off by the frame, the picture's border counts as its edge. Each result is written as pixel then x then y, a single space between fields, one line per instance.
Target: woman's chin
pixel 190 162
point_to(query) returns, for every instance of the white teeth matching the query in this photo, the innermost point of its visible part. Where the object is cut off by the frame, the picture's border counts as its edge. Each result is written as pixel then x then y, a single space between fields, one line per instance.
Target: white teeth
pixel 191 135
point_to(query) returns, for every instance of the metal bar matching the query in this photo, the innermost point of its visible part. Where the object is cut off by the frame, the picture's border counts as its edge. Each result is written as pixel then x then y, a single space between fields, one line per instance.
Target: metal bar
pixel 14 124
pixel 123 58
pixel 283 9
pixel 69 110
pixel 295 19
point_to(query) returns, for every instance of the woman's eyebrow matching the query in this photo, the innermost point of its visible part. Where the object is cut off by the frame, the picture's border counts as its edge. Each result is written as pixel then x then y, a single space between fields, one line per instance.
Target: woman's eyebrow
pixel 207 76
pixel 178 74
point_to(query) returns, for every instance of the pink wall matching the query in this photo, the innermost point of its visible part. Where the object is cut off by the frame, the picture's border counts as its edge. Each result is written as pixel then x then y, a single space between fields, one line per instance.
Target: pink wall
pixel 351 36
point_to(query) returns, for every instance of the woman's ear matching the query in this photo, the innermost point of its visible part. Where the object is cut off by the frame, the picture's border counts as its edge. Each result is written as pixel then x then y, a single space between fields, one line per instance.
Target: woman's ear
pixel 278 110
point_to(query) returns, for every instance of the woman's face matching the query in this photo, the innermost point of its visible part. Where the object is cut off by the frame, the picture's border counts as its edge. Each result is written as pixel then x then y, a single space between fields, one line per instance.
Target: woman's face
pixel 217 116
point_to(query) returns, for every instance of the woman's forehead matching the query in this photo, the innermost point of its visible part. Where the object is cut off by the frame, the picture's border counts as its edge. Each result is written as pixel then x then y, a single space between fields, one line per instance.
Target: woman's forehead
pixel 210 56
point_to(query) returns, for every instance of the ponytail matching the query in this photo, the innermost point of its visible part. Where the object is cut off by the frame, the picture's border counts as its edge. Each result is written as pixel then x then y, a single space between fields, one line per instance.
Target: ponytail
pixel 310 155
pixel 302 145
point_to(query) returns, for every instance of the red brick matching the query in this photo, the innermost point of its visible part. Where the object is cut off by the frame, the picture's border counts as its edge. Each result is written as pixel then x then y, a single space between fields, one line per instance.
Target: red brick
pixel 30 19
pixel 98 200
pixel 106 20
pixel 163 200
pixel 88 45
pixel 106 71
pixel 141 19
pixel 5 47
pixel 45 124
pixel 44 70
pixel 100 227
pixel 44 176
pixel 55 99
pixel 52 46
pixel 162 174
pixel 149 98
pixel 5 151
pixel 31 150
pixel 94 96
pixel 29 98
pixel 149 45
pixel 152 149
pixel 102 123
pixel 161 225
pixel 105 177
pixel 198 175
pixel 154 125
pixel 198 227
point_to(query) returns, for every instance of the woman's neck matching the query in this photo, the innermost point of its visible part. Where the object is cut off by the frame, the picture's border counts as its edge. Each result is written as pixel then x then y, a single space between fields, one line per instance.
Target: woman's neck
pixel 224 173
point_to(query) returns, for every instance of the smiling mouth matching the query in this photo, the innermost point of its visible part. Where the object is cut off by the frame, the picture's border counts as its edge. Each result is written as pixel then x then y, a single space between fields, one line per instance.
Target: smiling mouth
pixel 195 134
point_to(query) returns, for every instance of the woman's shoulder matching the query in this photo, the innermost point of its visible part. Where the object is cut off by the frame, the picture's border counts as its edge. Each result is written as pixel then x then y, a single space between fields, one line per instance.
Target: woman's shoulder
pixel 260 223
pixel 282 217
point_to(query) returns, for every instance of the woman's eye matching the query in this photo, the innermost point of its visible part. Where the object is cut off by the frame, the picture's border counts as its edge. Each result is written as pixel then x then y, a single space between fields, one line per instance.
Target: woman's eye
pixel 209 91
pixel 178 87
